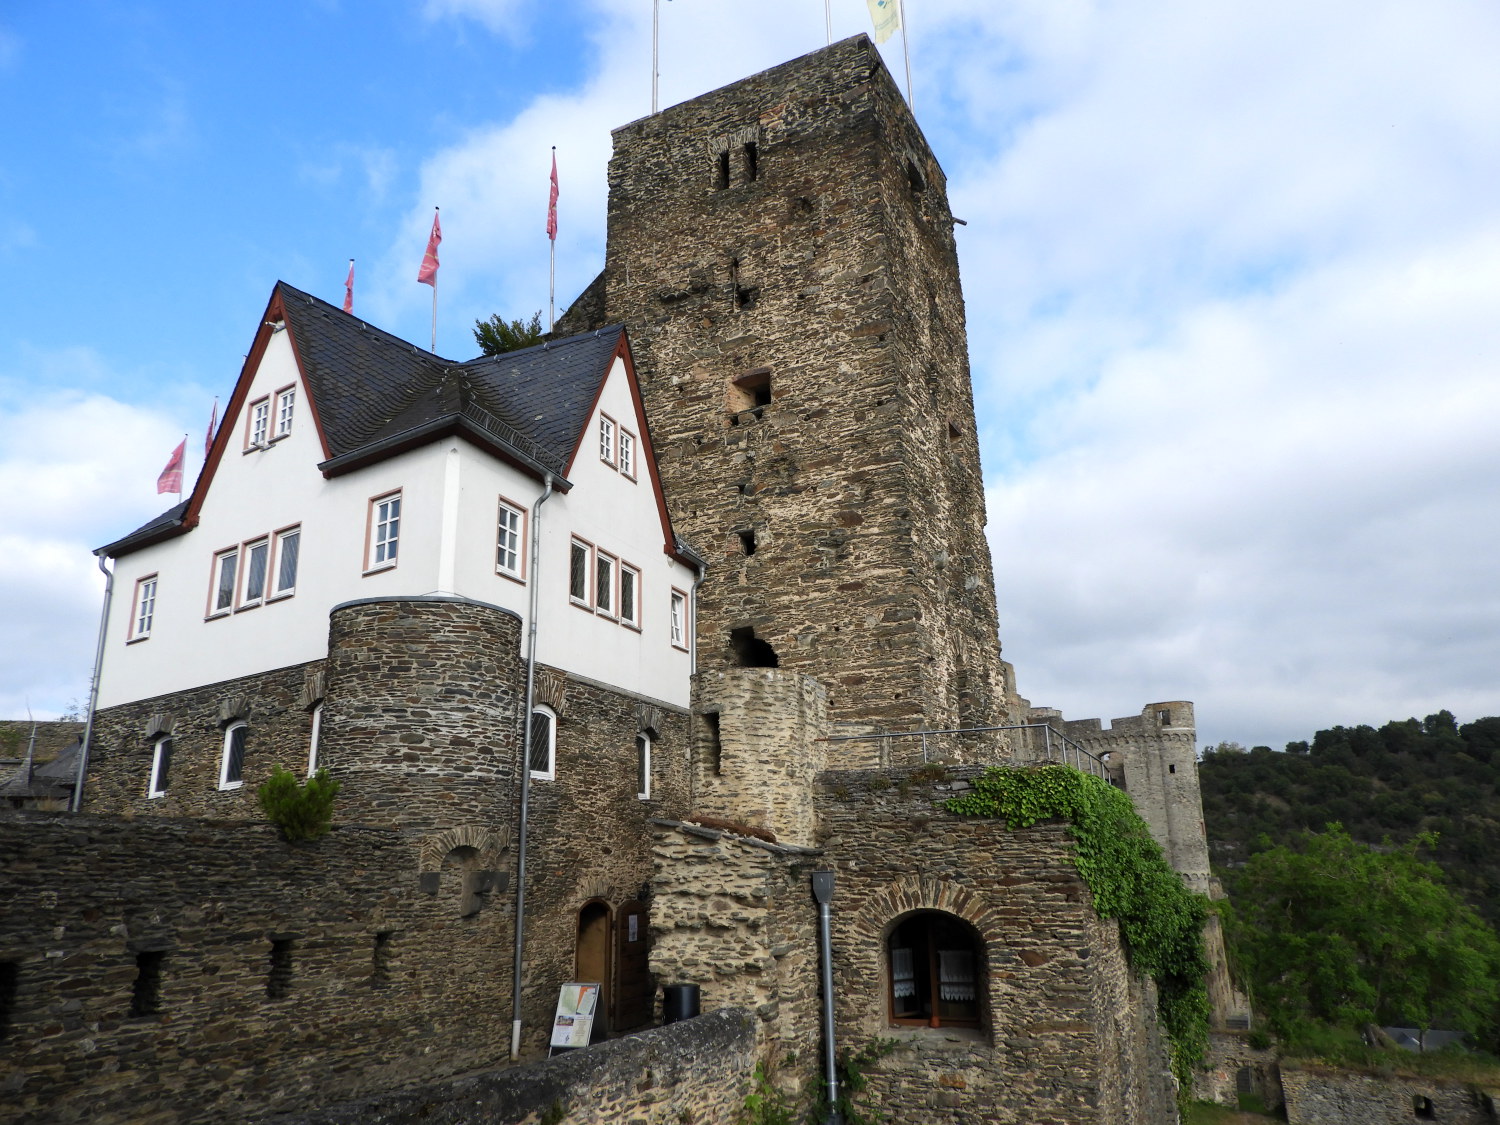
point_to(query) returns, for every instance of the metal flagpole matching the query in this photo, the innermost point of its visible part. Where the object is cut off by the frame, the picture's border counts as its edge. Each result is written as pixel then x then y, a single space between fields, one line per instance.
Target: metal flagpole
pixel 906 53
pixel 828 19
pixel 182 469
pixel 552 265
pixel 434 316
pixel 655 22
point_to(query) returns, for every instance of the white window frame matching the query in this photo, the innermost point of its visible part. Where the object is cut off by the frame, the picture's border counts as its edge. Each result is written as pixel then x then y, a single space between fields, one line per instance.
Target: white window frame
pixel 229 731
pixel 678 620
pixel 286 406
pixel 550 773
pixel 607 430
pixel 643 765
pixel 312 741
pixel 258 424
pixel 229 555
pixel 517 513
pixel 627 454
pixel 634 619
pixel 375 527
pixel 247 553
pixel 274 588
pixel 603 585
pixel 154 787
pixel 143 608
pixel 585 602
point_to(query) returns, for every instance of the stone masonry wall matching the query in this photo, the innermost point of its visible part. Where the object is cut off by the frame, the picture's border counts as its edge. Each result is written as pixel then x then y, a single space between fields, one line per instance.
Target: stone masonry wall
pixel 1332 1097
pixel 734 915
pixel 383 980
pixel 756 761
pixel 695 1072
pixel 793 228
pixel 422 723
pixel 1234 1067
pixel 1068 1035
pixel 275 708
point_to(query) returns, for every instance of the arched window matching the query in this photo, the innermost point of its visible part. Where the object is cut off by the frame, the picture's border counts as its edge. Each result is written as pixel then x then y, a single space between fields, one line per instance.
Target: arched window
pixel 232 767
pixel 161 765
pixel 542 751
pixel 935 967
pixel 312 742
pixel 643 765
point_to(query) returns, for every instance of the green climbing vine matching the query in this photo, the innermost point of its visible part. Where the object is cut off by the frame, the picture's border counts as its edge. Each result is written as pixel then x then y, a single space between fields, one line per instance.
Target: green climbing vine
pixel 1160 920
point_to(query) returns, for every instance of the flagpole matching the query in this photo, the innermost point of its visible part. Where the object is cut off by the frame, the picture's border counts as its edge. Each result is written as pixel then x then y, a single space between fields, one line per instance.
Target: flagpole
pixel 906 53
pixel 655 21
pixel 828 19
pixel 552 265
pixel 181 474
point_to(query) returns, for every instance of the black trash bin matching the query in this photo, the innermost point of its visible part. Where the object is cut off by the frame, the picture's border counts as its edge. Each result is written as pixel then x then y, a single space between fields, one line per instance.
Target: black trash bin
pixel 679 1002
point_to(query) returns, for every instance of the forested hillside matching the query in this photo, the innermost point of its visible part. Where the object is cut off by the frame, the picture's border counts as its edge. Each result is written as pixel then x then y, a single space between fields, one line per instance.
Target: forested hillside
pixel 1400 780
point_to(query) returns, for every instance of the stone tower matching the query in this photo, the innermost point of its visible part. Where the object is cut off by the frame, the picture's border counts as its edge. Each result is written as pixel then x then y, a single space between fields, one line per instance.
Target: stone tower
pixel 782 253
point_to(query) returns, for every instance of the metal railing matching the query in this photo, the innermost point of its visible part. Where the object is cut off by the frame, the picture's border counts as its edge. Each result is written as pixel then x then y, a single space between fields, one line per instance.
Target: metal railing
pixel 1056 746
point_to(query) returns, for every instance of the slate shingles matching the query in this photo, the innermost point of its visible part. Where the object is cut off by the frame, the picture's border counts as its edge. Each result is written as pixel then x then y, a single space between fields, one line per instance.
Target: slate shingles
pixel 371 387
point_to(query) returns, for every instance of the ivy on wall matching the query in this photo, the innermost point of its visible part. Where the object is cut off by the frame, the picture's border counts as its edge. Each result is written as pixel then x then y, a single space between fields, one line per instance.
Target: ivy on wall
pixel 1160 920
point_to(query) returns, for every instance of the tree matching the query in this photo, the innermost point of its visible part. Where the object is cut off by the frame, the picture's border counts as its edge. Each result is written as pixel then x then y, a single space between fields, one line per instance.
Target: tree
pixel 1333 931
pixel 498 335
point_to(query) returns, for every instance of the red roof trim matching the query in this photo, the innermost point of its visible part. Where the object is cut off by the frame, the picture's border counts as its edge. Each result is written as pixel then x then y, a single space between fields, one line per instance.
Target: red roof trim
pixel 622 352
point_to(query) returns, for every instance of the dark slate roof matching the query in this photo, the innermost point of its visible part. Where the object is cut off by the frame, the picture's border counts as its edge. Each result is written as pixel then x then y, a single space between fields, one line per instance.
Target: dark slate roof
pixel 159 528
pixel 377 394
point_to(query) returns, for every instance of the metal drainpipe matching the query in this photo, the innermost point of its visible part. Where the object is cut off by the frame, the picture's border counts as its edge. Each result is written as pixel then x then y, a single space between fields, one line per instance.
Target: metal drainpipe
pixel 88 726
pixel 822 888
pixel 515 981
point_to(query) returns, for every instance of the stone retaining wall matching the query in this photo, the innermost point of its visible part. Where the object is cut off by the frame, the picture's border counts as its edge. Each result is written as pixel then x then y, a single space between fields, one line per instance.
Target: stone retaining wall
pixel 1319 1096
pixel 696 1072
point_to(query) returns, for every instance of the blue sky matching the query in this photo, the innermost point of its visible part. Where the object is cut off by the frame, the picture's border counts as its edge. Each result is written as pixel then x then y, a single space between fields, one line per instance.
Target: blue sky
pixel 1232 275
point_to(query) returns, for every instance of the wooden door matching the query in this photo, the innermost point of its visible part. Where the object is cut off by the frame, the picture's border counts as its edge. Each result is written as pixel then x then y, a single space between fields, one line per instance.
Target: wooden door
pixel 635 992
pixel 593 959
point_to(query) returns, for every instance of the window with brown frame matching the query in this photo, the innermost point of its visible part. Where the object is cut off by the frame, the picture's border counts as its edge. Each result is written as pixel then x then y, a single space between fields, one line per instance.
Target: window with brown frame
pixel 934 965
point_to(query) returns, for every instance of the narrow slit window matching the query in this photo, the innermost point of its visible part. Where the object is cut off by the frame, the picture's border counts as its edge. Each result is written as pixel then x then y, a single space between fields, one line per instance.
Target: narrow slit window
pixel 643 766
pixel 752 162
pixel 713 742
pixel 380 960
pixel 161 766
pixel 312 740
pixel 542 749
pixel 10 982
pixel 232 767
pixel 145 996
pixel 721 170
pixel 279 979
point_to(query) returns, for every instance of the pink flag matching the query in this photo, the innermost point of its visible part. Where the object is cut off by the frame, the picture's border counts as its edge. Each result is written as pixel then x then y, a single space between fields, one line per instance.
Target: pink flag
pixel 208 442
pixel 552 201
pixel 171 477
pixel 349 284
pixel 427 275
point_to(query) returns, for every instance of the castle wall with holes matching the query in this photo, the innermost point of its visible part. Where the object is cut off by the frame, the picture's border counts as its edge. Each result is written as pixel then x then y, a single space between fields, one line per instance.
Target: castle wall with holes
pixel 173 970
pixel 808 386
pixel 1323 1096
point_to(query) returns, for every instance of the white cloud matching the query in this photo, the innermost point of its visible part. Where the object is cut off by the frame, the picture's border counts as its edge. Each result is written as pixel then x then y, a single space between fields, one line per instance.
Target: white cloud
pixel 77 469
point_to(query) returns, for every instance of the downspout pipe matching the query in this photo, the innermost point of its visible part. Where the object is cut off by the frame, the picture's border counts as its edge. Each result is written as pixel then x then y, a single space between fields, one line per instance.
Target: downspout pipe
pixel 822 888
pixel 536 582
pixel 88 728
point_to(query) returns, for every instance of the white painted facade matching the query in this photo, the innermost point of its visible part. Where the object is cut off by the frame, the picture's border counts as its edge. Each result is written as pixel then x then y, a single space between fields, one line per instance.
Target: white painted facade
pixel 450 492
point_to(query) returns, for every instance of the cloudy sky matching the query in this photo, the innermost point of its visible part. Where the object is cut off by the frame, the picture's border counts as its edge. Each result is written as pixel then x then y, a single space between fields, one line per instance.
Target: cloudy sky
pixel 1232 271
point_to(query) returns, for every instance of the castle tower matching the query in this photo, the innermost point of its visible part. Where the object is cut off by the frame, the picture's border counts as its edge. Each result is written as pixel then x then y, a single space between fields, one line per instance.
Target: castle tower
pixel 782 253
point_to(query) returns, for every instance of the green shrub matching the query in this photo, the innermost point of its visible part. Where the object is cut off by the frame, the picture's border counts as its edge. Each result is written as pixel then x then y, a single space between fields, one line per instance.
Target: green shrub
pixel 302 812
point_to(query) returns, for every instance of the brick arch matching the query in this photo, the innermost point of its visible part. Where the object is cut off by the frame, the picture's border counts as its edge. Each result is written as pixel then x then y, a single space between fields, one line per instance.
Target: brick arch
pixel 487 842
pixel 924 892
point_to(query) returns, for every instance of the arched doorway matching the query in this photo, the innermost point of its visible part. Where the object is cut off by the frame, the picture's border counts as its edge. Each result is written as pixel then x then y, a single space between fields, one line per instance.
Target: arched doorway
pixel 592 960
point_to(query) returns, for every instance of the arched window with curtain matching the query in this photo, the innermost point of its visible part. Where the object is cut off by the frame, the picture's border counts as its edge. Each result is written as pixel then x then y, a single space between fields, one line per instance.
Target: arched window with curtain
pixel 935 971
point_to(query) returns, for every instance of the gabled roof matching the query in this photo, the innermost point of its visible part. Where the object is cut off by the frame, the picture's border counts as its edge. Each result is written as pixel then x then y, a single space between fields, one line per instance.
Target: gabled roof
pixel 372 395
